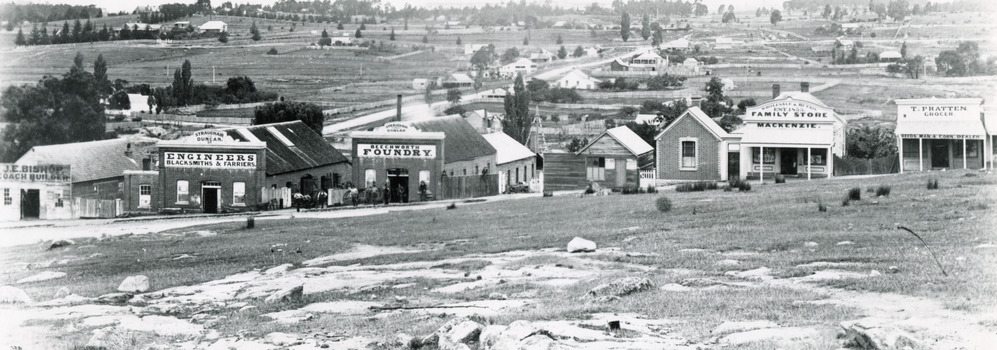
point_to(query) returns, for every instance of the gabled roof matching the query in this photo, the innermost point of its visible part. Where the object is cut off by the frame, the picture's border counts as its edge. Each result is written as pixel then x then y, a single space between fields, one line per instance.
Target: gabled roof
pixel 645 118
pixel 307 149
pixel 212 25
pixel 577 74
pixel 648 55
pixel 699 116
pixel 460 78
pixel 507 149
pixel 800 96
pixel 519 62
pixel 890 54
pixel 462 141
pixel 680 42
pixel 625 137
pixel 690 60
pixel 94 160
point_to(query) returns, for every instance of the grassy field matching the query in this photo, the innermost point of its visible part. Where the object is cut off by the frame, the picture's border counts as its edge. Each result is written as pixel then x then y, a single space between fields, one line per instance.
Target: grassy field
pixel 771 226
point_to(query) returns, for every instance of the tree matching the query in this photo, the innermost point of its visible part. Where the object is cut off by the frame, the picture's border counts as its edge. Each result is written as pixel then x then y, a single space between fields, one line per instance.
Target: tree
pixel 510 54
pixel 699 9
pixel 560 40
pixel 645 26
pixel 656 38
pixel 392 36
pixel 827 11
pixel 425 39
pixel 358 34
pixel 579 52
pixel 898 10
pixel 339 26
pixel 183 84
pixel 625 26
pixel 223 37
pixel 119 100
pixel 325 33
pixel 324 42
pixel 255 32
pixel 729 17
pixel 458 41
pixel 903 50
pixel 716 104
pixel 483 57
pixel 20 38
pixel 562 52
pixel 775 17
pixel 868 142
pixel 453 96
pixel 240 87
pixel 279 112
pixel 518 121
pixel 10 26
pixel 100 75
pixel 526 41
pixel 64 34
pixel 537 87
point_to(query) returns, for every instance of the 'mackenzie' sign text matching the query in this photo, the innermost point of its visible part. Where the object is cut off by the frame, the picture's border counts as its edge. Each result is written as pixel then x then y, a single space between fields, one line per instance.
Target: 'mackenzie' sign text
pixel 209 160
pixel 395 151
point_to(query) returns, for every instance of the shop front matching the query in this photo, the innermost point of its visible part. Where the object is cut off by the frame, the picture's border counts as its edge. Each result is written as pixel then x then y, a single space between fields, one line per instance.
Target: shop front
pixel 35 192
pixel 936 134
pixel 211 172
pixel 401 157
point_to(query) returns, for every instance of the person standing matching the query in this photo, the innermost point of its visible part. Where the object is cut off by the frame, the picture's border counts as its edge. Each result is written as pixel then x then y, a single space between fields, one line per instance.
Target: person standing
pixel 386 193
pixel 401 194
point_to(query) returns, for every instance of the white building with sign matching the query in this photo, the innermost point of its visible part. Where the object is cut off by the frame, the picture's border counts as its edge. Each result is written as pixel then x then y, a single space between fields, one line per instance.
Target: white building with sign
pixel 400 157
pixel 35 191
pixel 934 134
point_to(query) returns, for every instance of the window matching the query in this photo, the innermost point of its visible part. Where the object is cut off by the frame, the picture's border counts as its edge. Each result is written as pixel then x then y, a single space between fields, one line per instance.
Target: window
pixel 424 177
pixel 58 198
pixel 596 169
pixel 631 164
pixel 464 172
pixel 476 170
pixel 6 197
pixel 769 155
pixel 517 174
pixel 183 197
pixel 689 157
pixel 819 156
pixel 972 149
pixel 910 148
pixel 239 193
pixel 370 177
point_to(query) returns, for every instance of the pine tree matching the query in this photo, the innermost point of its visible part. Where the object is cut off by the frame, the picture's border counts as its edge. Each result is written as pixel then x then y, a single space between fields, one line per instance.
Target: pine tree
pixel 526 41
pixel 339 26
pixel 255 32
pixel 100 75
pixel 562 52
pixel 223 37
pixel 20 38
pixel 625 26
pixel 358 34
pixel 64 35
pixel 903 51
pixel 425 39
pixel 518 121
pixel 645 29
pixel 458 41
pixel 560 40
pixel 77 31
pixel 35 37
pixel 392 37
pixel 325 34
pixel 579 51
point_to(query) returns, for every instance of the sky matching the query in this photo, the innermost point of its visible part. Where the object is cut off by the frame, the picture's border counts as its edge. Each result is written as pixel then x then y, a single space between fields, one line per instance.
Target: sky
pixel 129 5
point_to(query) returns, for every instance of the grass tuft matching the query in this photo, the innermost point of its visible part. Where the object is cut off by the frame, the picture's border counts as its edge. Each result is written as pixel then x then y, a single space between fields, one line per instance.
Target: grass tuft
pixel 821 207
pixel 883 191
pixel 855 194
pixel 697 186
pixel 453 205
pixel 664 204
pixel 932 184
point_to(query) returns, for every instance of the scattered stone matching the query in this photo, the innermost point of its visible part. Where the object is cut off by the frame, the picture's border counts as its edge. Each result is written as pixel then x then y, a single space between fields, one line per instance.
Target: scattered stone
pixel 845 243
pixel 770 335
pixel 96 255
pixel 44 276
pixel 580 245
pixel 134 284
pixel 810 244
pixel 607 299
pixel 893 269
pixel 622 287
pixel 879 334
pixel 62 292
pixel 61 243
pixel 728 262
pixel 742 326
pixel 404 340
pixel 675 287
pixel 518 335
pixel 458 333
pixel 13 295
pixel 287 294
pixel 111 338
pixel 498 296
pixel 761 273
pixel 114 298
pixel 874 273
pixel 961 258
pixel 278 269
pixel 68 300
pixel 282 339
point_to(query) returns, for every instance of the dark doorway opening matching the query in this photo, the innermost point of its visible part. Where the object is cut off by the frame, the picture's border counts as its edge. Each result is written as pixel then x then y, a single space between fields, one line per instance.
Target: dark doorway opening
pixel 210 199
pixel 30 204
pixel 733 165
pixel 788 159
pixel 398 183
pixel 939 153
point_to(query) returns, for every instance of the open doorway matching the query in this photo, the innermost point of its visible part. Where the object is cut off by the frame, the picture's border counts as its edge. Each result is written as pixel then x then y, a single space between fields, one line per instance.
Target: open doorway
pixel 398 183
pixel 210 194
pixel 733 165
pixel 787 157
pixel 940 153
pixel 30 204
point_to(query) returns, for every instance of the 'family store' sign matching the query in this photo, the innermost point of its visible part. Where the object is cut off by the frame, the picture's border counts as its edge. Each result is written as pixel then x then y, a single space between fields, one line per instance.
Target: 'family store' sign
pixel 54 173
pixel 209 160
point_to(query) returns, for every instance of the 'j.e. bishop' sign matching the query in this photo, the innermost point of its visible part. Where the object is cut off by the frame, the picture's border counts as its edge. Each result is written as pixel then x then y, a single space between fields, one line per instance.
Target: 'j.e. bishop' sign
pixel 366 150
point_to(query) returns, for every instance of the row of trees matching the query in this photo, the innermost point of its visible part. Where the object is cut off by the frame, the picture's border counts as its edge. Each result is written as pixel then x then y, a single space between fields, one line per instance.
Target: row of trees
pixel 658 82
pixel 81 33
pixel 17 13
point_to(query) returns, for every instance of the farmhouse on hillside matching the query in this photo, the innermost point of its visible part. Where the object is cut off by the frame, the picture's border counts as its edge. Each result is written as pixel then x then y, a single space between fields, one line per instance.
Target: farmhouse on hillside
pixel 645 61
pixel 456 80
pixel 215 27
pixel 611 160
pixel 576 79
pixel 677 44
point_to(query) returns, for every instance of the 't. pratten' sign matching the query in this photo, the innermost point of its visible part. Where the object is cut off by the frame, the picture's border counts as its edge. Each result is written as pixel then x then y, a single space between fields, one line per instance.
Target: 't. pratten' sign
pixel 52 173
pixel 395 151
pixel 209 160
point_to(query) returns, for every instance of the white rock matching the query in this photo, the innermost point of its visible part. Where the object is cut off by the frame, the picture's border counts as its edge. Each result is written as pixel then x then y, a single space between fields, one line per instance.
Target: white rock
pixel 675 287
pixel 811 244
pixel 761 273
pixel 622 287
pixel 961 258
pixel 579 244
pixel 742 326
pixel 845 243
pixel 44 276
pixel 13 295
pixel 497 296
pixel 286 294
pixel 770 334
pixel 893 269
pixel 134 284
pixel 987 245
pixel 875 333
pixel 463 332
pixel 874 273
pixel 282 339
pixel 278 269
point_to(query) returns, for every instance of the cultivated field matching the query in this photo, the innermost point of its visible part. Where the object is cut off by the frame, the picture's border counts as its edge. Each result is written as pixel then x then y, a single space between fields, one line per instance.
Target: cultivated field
pixel 756 270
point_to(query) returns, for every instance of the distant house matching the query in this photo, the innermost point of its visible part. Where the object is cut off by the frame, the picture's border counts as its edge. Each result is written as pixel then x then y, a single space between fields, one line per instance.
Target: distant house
pixel 591 51
pixel 559 24
pixel 890 56
pixel 472 48
pixel 576 79
pixel 453 23
pixel 846 44
pixel 181 25
pixel 821 50
pixel 420 84
pixel 611 160
pixel 497 93
pixel 677 44
pixel 723 44
pixel 645 61
pixel 513 162
pixel 483 121
pixel 457 80
pixel 343 39
pixel 520 66
pixel 215 27
pixel 690 62
pixel 543 56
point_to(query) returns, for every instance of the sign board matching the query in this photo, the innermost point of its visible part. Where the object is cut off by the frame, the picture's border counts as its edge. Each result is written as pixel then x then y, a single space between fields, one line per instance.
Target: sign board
pixel 367 150
pixel 790 111
pixel 209 136
pixel 209 160
pixel 941 136
pixel 938 111
pixel 50 173
pixel 398 127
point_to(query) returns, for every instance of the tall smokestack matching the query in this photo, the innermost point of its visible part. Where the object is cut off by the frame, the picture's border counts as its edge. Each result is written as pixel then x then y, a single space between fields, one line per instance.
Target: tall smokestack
pixel 398 109
pixel 804 86
pixel 775 90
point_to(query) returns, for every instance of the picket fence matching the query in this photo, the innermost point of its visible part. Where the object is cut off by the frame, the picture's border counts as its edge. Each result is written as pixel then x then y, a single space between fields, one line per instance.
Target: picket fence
pixel 90 208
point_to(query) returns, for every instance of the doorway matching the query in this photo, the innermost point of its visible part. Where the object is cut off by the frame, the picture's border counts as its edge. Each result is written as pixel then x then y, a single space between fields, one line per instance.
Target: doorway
pixel 733 165
pixel 210 195
pixel 621 172
pixel 30 204
pixel 940 154
pixel 398 183
pixel 787 158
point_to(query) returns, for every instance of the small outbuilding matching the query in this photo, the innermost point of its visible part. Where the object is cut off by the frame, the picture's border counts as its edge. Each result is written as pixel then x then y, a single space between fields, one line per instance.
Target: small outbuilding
pixel 514 163
pixel 611 160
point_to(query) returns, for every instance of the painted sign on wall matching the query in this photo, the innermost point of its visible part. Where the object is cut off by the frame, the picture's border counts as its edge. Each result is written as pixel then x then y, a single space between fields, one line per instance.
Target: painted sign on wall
pixel 51 173
pixel 209 160
pixel 367 150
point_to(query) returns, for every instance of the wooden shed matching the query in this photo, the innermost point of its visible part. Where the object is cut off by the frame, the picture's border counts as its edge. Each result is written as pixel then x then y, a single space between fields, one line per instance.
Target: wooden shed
pixel 612 160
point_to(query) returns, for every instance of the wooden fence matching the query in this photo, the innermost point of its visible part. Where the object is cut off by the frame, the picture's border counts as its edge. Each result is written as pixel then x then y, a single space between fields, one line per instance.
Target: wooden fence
pixel 175 118
pixel 470 186
pixel 648 177
pixel 98 208
pixel 860 166
pixel 281 197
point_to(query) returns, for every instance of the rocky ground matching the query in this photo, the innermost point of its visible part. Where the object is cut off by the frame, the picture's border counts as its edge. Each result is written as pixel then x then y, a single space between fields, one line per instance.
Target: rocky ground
pixel 471 302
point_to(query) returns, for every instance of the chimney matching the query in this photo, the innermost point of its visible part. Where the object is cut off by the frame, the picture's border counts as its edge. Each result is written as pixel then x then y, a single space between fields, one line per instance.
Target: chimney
pixel 398 109
pixel 804 86
pixel 775 90
pixel 128 149
pixel 146 164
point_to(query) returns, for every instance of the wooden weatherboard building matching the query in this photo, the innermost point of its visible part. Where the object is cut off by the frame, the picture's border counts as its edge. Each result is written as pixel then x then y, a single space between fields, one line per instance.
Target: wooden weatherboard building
pixel 935 134
pixel 612 160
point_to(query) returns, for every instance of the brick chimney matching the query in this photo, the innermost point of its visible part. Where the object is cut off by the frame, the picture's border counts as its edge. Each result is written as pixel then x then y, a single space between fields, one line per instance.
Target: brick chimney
pixel 775 90
pixel 804 86
pixel 398 109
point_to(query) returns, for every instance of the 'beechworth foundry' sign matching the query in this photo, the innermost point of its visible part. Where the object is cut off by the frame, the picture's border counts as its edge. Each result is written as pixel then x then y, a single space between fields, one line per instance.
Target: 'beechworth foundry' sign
pixel 209 160
pixel 395 151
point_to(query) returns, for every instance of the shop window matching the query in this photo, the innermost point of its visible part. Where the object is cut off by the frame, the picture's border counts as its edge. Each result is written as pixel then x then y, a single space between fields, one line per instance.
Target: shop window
pixel 517 174
pixel 596 169
pixel 144 196
pixel 7 200
pixel 183 197
pixel 819 156
pixel 464 172
pixel 476 170
pixel 769 155
pixel 910 148
pixel 370 177
pixel 971 149
pixel 689 155
pixel 238 193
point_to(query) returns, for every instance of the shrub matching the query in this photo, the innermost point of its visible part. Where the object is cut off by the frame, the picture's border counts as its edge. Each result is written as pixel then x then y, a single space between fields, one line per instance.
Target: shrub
pixel 136 119
pixel 652 189
pixel 664 204
pixel 844 202
pixel 697 186
pixel 452 205
pixel 548 193
pixel 932 184
pixel 273 51
pixel 630 190
pixel 883 191
pixel 780 179
pixel 855 194
pixel 739 184
pixel 821 207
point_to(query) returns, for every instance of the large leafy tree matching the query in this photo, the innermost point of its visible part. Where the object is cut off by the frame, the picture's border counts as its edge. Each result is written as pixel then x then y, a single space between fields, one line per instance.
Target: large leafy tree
pixel 510 54
pixel 775 17
pixel 483 57
pixel 625 26
pixel 278 112
pixel 868 142
pixel 53 111
pixel 518 121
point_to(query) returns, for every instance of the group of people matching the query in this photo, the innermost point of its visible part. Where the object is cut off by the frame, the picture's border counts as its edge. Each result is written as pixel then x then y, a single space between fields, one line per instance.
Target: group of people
pixel 354 196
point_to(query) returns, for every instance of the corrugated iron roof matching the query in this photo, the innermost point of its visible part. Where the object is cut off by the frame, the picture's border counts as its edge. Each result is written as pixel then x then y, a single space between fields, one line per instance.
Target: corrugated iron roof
pixel 507 149
pixel 462 141
pixel 307 149
pixel 94 160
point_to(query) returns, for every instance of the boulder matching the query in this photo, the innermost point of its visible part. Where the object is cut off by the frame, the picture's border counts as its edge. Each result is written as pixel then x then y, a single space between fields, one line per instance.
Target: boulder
pixel 282 339
pixel 518 335
pixel 845 243
pixel 62 292
pixel 114 298
pixel 761 273
pixel 287 294
pixel 580 245
pixel 44 276
pixel 134 284
pixel 61 243
pixel 458 333
pixel 811 244
pixel 68 300
pixel 497 296
pixel 876 334
pixel 278 269
pixel 622 287
pixel 13 295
